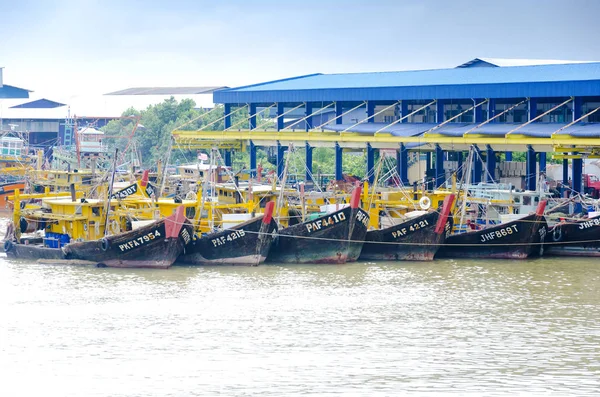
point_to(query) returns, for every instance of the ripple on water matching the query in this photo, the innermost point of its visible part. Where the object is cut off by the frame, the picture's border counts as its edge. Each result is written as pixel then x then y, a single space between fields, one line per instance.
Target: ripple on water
pixel 493 327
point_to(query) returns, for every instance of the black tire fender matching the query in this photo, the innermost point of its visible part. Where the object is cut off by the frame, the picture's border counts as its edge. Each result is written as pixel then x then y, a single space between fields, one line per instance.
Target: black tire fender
pixel 104 244
pixel 8 245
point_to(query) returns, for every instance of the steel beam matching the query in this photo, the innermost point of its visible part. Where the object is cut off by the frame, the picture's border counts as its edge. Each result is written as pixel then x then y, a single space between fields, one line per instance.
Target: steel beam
pixel 338 162
pixel 515 142
pixel 252 116
pixel 490 164
pixel 532 109
pixel 531 172
pixel 227 114
pixel 280 111
pixel 339 110
pixel 308 123
pixel 227 157
pixel 542 157
pixel 439 111
pixel 491 109
pixel 404 110
pixel 565 176
pixel 402 164
pixel 309 162
pixel 370 163
pixel 576 172
pixel 370 111
pixel 508 156
pixel 252 160
pixel 577 107
pixel 440 174
pixel 280 160
pixel 478 111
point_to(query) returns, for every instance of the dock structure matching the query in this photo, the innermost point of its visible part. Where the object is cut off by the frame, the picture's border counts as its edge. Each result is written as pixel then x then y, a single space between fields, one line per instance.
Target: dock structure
pixel 547 107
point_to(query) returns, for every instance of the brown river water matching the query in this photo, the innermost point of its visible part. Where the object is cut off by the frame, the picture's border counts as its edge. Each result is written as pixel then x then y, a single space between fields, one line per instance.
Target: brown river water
pixel 446 327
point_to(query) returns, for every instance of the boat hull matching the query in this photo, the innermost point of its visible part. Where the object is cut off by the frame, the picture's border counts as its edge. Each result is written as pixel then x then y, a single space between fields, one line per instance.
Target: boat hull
pixel 245 244
pixel 151 246
pixel 31 251
pixel 413 240
pixel 574 239
pixel 518 239
pixel 334 238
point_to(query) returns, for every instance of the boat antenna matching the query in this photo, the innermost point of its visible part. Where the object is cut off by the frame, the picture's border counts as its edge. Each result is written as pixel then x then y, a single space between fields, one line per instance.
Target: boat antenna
pixel 110 190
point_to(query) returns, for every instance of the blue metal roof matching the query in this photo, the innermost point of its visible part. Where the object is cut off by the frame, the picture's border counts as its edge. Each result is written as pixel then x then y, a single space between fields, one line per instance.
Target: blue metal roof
pixel 9 91
pixel 39 104
pixel 581 79
pixel 538 130
pixel 400 129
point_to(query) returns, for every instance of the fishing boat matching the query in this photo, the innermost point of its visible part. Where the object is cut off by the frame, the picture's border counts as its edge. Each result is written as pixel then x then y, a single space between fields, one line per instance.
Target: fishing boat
pixel 336 237
pixel 416 239
pixel 247 243
pixel 156 245
pixel 579 237
pixel 517 239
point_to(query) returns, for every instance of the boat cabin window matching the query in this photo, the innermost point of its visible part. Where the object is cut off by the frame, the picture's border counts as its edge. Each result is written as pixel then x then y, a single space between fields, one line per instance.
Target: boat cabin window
pixel 190 212
pixel 96 211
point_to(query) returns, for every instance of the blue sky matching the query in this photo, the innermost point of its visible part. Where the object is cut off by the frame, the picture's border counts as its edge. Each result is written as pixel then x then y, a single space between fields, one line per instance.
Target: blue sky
pixel 67 47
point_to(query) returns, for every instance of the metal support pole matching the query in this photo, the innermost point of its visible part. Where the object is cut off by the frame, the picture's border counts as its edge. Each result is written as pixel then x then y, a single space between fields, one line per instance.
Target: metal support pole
pixel 309 162
pixel 440 174
pixel 459 170
pixel 577 107
pixel 577 171
pixel 530 177
pixel 404 111
pixel 477 166
pixel 280 160
pixel 227 114
pixel 542 157
pixel 478 111
pixel 490 164
pixel 370 112
pixel 532 109
pixel 565 176
pixel 429 185
pixel 308 123
pixel 491 109
pixel 252 160
pixel 508 156
pixel 402 164
pixel 280 110
pixel 252 116
pixel 227 157
pixel 338 162
pixel 439 111
pixel 370 163
pixel 338 112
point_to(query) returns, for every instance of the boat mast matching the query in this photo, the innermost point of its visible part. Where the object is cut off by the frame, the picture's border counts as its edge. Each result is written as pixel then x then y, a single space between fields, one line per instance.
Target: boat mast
pixel 282 183
pixel 467 182
pixel 110 190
